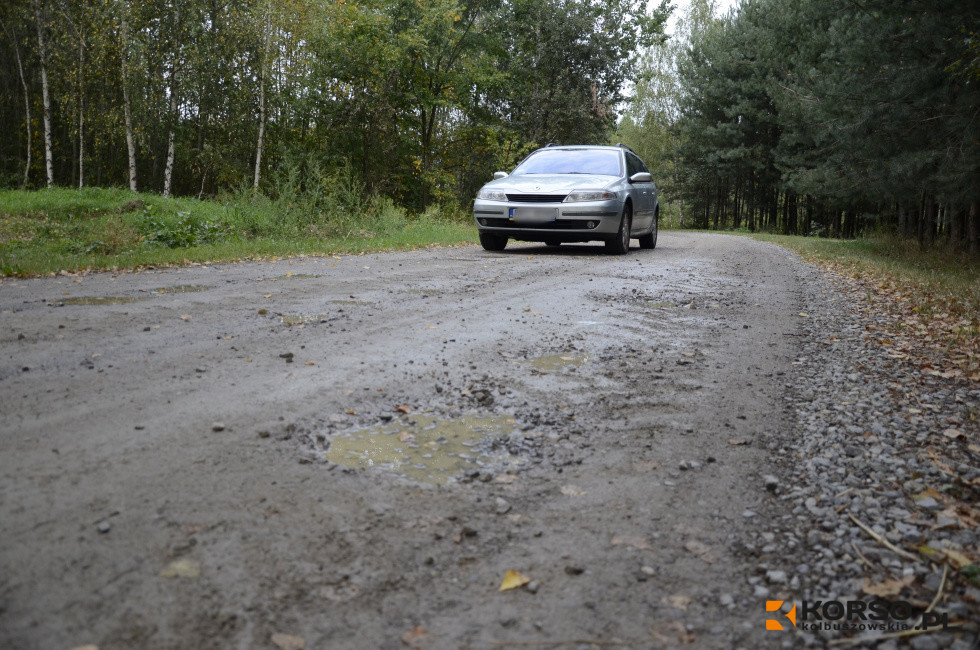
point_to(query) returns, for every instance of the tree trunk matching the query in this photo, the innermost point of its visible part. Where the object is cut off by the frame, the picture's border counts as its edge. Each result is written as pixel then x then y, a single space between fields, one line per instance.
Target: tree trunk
pixel 265 66
pixel 973 229
pixel 45 94
pixel 127 114
pixel 81 112
pixel 27 109
pixel 168 170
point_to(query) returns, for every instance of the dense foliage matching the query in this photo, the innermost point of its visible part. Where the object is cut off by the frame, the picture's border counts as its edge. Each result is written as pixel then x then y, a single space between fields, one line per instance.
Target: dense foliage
pixel 420 99
pixel 826 117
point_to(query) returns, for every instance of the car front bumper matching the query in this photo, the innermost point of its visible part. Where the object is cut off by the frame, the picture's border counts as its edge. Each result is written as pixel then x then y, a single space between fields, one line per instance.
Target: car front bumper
pixel 585 221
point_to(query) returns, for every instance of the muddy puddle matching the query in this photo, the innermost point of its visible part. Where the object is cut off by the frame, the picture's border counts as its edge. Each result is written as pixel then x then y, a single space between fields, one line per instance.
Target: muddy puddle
pixel 302 319
pixel 101 300
pixel 556 362
pixel 182 288
pixel 294 276
pixel 425 448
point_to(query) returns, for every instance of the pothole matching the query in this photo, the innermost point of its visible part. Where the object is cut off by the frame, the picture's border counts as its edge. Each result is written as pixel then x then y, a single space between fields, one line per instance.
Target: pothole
pixel 432 450
pixel 301 319
pixel 556 362
pixel 182 288
pixel 102 300
pixel 294 276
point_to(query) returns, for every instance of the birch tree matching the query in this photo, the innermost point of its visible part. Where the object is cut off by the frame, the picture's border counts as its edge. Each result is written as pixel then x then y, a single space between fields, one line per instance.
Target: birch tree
pixel 124 80
pixel 40 19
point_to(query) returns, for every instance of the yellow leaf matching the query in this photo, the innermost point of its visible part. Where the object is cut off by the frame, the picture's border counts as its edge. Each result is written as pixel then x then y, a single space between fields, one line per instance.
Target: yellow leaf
pixel 182 569
pixel 888 587
pixel 513 580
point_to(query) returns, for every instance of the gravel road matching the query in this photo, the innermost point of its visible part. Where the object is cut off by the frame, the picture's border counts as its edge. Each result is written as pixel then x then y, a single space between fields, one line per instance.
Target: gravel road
pixel 352 452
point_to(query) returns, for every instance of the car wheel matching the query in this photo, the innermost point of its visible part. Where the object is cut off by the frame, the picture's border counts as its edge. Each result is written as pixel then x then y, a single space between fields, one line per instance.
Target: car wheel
pixel 492 242
pixel 650 241
pixel 620 244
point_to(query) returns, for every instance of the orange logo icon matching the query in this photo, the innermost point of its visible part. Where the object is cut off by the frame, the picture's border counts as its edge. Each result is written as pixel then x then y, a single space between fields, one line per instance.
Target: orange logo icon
pixel 773 606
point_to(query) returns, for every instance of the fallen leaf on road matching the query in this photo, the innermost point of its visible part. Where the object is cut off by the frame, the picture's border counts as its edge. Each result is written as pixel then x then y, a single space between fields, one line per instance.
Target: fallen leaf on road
pixel 645 466
pixel 415 637
pixel 182 569
pixel 405 436
pixel 351 412
pixel 185 317
pixel 513 580
pixel 679 634
pixel 288 641
pixel 701 550
pixel 677 601
pixel 888 587
pixel 571 491
pixel 636 541
pixel 403 409
pixel 738 441
pixel 310 363
pixel 268 295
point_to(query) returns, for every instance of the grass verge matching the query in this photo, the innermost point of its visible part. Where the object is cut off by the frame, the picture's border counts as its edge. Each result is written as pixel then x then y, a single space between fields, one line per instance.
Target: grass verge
pixel 923 306
pixel 49 231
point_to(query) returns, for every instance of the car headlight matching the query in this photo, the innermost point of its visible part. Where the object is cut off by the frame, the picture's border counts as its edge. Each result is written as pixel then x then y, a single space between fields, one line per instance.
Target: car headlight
pixel 589 195
pixel 491 195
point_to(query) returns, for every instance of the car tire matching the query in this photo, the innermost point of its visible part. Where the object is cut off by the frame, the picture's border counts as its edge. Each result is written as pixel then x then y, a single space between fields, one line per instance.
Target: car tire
pixel 492 242
pixel 649 241
pixel 620 244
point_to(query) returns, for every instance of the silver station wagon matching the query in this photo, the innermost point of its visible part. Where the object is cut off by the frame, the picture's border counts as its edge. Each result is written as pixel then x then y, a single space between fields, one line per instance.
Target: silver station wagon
pixel 571 194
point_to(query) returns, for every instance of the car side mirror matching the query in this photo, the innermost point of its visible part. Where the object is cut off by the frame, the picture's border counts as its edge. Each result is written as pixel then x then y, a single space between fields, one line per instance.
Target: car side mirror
pixel 499 175
pixel 641 177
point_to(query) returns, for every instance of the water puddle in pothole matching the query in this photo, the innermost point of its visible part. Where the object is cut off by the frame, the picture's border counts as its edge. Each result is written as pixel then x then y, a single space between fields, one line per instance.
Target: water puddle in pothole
pixel 294 276
pixel 423 448
pixel 353 303
pixel 102 300
pixel 182 288
pixel 556 362
pixel 301 319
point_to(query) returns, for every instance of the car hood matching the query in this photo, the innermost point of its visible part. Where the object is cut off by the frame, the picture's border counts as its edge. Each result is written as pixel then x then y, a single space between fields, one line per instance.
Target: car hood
pixel 551 183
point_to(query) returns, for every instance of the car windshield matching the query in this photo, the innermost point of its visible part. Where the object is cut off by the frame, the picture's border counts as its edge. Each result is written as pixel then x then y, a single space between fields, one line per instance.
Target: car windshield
pixel 603 162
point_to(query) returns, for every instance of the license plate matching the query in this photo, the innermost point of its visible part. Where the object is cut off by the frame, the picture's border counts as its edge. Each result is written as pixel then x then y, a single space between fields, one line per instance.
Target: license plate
pixel 533 215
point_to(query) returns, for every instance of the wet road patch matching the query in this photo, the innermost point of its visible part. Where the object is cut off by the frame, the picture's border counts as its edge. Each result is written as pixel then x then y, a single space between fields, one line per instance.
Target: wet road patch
pixel 101 300
pixel 429 449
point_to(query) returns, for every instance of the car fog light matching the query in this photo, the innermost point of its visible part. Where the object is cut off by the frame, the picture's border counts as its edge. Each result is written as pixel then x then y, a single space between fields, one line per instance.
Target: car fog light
pixel 592 224
pixel 483 222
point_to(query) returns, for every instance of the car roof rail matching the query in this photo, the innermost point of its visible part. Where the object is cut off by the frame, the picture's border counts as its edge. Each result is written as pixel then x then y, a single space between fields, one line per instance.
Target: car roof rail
pixel 620 144
pixel 550 144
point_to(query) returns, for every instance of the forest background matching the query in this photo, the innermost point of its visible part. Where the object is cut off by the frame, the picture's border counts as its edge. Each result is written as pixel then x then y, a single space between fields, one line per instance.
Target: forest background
pixel 816 117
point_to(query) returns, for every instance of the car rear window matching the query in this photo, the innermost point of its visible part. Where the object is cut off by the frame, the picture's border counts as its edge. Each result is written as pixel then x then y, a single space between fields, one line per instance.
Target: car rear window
pixel 604 162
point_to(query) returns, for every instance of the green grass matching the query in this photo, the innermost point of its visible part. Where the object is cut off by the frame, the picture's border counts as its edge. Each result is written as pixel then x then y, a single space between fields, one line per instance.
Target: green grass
pixel 48 231
pixel 951 275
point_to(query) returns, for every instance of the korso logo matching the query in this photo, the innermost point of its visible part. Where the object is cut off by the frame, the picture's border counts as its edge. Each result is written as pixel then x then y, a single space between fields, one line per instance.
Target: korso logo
pixel 853 615
pixel 775 606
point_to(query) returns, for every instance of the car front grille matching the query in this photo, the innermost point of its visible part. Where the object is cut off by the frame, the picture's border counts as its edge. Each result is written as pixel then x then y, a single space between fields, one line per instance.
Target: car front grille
pixel 564 224
pixel 536 198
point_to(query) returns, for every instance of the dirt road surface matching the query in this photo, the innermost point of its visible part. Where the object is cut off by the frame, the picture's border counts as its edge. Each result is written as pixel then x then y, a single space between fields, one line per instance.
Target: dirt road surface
pixel 351 452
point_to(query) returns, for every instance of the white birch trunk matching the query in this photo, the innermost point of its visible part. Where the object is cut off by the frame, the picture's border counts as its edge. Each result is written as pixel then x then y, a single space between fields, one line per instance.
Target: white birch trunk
pixel 81 113
pixel 265 66
pixel 130 141
pixel 45 94
pixel 168 171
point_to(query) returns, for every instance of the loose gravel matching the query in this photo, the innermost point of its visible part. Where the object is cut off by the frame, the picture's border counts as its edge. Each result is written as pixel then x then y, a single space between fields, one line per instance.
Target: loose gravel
pixel 888 444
